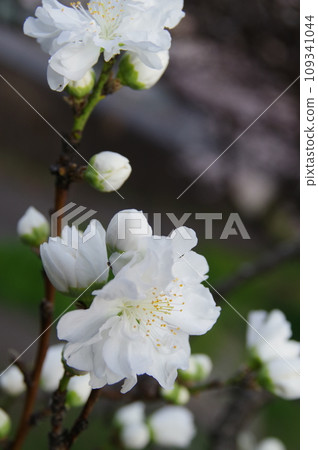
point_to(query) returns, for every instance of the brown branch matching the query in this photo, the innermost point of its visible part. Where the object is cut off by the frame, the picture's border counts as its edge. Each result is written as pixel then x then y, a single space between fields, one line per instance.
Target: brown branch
pixel 247 399
pixel 46 314
pixel 82 420
pixel 58 409
pixel 46 311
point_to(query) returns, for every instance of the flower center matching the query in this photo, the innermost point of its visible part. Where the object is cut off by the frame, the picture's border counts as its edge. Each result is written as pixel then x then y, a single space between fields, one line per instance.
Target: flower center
pixel 108 14
pixel 149 316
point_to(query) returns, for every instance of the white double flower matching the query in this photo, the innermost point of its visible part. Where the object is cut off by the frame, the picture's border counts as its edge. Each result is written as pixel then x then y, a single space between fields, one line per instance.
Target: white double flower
pixel 140 321
pixel 74 36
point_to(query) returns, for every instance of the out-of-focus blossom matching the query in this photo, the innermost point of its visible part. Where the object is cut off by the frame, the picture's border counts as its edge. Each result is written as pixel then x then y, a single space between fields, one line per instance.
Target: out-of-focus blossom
pixel 179 395
pixel 12 381
pixel 78 390
pixel 247 441
pixel 5 424
pixel 172 426
pixel 200 367
pixel 270 346
pixel 53 369
pixel 130 414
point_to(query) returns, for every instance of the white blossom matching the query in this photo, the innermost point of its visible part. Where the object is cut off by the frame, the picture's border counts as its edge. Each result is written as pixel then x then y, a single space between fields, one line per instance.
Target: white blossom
pixel 5 424
pixel 271 345
pixel 12 381
pixel 53 369
pixel 33 228
pixel 134 433
pixel 74 36
pixel 131 414
pixel 78 390
pixel 135 436
pixel 172 426
pixel 140 321
pixel 107 171
pixel 247 441
pixel 270 444
pixel 74 270
pixel 137 75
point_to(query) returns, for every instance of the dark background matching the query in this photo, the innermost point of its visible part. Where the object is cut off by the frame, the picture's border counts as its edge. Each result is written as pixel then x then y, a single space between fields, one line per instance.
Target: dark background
pixel 229 61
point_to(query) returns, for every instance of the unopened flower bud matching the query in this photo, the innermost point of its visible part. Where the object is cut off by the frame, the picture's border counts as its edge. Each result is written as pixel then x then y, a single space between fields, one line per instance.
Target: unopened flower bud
pixel 82 87
pixel 75 263
pixel 135 436
pixel 33 228
pixel 271 444
pixel 172 426
pixel 53 369
pixel 130 414
pixel 107 171
pixel 179 395
pixel 135 74
pixel 12 381
pixel 128 232
pixel 200 367
pixel 5 424
pixel 78 390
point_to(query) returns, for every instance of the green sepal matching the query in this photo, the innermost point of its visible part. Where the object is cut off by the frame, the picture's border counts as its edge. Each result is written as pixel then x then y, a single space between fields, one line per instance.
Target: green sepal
pixel 85 296
pixel 127 75
pixel 37 237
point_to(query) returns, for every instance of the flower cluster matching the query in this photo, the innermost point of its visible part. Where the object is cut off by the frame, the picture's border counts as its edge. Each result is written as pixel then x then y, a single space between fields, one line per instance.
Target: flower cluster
pixel 247 441
pixel 170 426
pixel 140 321
pixel 274 353
pixel 74 36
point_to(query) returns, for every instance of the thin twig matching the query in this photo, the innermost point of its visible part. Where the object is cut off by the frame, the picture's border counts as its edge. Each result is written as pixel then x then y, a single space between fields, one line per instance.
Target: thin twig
pixel 46 312
pixel 82 420
pixel 96 96
pixel 265 263
pixel 58 409
pixel 247 398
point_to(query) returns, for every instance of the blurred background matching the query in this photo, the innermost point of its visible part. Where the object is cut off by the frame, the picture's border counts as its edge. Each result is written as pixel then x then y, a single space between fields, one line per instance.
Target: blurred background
pixel 229 61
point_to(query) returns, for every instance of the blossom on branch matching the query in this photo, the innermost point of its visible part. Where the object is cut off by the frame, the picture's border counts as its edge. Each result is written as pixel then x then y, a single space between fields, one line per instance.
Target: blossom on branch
pixel 137 75
pixel 172 426
pixel 133 430
pixel 140 322
pixel 74 36
pixel 274 353
pixel 107 171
